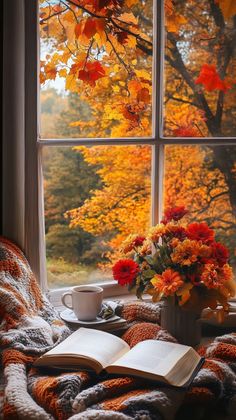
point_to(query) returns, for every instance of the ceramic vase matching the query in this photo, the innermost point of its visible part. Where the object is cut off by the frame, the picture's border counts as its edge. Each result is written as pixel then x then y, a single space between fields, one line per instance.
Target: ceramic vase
pixel 182 324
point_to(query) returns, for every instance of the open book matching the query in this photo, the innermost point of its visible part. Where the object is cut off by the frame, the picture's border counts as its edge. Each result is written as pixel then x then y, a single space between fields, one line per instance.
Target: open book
pixel 174 364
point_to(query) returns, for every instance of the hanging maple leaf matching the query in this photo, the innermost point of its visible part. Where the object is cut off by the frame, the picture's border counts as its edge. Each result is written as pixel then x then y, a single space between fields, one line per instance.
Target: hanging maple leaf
pixel 172 18
pixel 91 72
pixel 210 79
pixel 89 27
pixel 228 7
pixel 122 37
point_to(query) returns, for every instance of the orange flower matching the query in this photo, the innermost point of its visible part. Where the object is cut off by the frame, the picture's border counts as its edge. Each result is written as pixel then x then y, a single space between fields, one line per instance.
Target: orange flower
pixel 156 232
pixel 204 253
pixel 214 277
pixel 186 252
pixel 167 282
pixel 131 242
pixel 176 231
pixel 226 272
pixel 146 248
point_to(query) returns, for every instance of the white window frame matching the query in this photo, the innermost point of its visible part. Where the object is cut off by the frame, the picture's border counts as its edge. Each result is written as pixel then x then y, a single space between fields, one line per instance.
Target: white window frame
pixel 34 196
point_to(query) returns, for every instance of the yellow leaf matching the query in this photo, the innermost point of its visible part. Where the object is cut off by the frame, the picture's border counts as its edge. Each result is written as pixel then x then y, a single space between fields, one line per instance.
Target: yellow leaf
pixel 71 83
pixel 134 86
pixel 131 41
pixel 145 123
pixel 144 74
pixel 174 22
pixel 184 293
pixel 116 89
pixel 130 3
pixel 62 73
pixel 128 18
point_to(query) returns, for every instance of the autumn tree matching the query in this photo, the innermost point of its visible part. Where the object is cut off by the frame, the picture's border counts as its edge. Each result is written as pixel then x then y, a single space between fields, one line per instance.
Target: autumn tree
pixel 103 50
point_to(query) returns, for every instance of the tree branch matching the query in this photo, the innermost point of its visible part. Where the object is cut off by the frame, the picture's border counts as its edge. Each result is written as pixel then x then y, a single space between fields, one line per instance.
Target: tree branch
pixel 184 101
pixel 111 20
pixel 42 21
pixel 178 64
pixel 116 53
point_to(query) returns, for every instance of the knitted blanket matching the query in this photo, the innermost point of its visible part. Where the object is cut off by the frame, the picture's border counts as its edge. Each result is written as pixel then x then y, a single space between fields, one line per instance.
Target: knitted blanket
pixel 29 326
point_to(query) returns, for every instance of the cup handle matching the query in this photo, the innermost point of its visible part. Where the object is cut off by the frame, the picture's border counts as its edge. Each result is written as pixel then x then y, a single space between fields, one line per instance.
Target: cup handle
pixel 64 301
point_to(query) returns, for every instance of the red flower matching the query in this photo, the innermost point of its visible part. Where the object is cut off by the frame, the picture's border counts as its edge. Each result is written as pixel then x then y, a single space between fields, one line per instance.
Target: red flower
pixel 200 232
pixel 220 253
pixel 125 271
pixel 174 213
pixel 176 232
pixel 138 241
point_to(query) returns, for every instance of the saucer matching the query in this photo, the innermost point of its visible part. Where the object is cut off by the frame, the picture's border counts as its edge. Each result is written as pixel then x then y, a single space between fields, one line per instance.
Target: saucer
pixel 69 316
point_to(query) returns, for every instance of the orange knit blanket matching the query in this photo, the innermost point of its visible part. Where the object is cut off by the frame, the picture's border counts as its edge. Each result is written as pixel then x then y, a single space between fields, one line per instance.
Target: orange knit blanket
pixel 29 326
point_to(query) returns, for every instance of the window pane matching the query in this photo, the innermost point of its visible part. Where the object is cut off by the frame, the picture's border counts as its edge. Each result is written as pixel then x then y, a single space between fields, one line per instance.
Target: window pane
pixel 200 63
pixel 94 197
pixel 204 180
pixel 96 68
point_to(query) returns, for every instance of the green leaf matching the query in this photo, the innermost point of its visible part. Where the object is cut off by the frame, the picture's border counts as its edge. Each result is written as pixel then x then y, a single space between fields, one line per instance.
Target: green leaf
pixel 149 260
pixel 140 291
pixel 148 274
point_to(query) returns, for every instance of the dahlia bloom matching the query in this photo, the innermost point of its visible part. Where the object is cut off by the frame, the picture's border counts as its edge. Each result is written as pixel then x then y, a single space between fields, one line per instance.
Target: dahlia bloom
pixel 174 213
pixel 186 252
pixel 200 232
pixel 125 271
pixel 220 253
pixel 168 282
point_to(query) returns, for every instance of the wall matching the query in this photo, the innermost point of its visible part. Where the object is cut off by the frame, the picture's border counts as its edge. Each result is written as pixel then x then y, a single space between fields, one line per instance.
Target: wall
pixel 1 52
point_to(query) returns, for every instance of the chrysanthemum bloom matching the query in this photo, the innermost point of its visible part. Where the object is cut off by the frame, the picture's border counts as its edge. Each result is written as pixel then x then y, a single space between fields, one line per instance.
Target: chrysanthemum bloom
pixel 131 242
pixel 174 213
pixel 186 252
pixel 139 240
pixel 204 253
pixel 226 272
pixel 200 232
pixel 174 242
pixel 214 277
pixel 220 253
pixel 146 248
pixel 175 231
pixel 125 271
pixel 156 232
pixel 167 282
pixel 128 244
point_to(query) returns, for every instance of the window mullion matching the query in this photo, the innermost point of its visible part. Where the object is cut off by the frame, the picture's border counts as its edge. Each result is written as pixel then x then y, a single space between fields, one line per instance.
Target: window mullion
pixel 158 149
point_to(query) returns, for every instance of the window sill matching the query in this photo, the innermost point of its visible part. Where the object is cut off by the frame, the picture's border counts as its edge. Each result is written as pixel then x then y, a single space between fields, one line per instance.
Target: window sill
pixel 111 291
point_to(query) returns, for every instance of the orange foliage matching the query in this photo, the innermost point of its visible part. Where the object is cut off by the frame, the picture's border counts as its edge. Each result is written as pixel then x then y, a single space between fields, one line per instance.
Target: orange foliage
pixel 104 53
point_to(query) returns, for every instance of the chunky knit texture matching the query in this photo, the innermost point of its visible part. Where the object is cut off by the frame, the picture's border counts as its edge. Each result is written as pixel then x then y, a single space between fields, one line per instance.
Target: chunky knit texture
pixel 29 326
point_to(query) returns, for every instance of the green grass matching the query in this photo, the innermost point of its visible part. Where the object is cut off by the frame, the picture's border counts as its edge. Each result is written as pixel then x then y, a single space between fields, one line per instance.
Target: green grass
pixel 62 273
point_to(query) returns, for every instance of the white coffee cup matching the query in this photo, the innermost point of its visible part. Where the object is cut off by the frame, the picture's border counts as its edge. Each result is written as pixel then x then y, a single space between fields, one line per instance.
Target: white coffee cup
pixel 86 301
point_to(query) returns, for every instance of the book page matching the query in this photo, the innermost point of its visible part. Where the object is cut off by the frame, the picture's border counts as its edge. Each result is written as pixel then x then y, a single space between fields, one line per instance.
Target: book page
pixel 153 356
pixel 91 343
pixel 184 368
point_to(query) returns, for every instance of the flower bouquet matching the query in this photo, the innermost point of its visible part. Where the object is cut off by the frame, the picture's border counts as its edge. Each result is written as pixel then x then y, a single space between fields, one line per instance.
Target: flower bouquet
pixel 178 261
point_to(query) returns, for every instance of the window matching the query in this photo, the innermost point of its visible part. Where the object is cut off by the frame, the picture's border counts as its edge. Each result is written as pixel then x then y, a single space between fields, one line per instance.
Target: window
pixel 137 113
